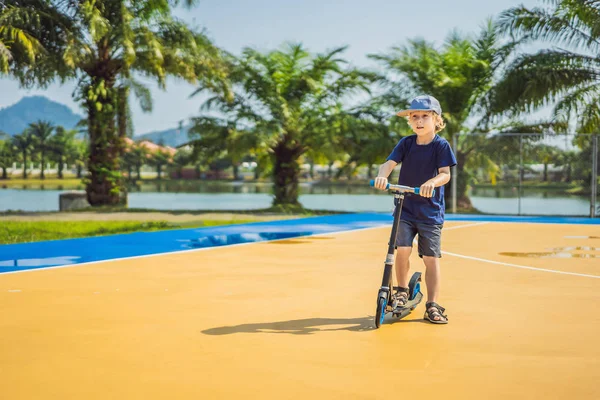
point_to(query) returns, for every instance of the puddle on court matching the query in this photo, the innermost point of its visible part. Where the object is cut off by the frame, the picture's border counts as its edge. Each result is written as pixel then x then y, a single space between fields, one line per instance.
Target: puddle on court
pixel 238 238
pixel 39 262
pixel 558 252
pixel 302 240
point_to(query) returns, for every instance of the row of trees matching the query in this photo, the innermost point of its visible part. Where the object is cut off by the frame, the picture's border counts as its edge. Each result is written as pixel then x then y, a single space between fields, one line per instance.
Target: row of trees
pixel 286 105
pixel 43 142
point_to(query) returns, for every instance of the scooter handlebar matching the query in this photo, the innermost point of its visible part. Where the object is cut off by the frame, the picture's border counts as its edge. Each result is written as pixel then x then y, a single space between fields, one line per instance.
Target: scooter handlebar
pixel 400 188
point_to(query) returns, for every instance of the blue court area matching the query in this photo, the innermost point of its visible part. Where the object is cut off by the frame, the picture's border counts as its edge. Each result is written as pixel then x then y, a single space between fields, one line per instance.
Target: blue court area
pixel 28 256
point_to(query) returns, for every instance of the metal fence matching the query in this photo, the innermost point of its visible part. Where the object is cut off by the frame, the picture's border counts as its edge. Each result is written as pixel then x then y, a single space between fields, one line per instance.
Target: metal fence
pixel 526 174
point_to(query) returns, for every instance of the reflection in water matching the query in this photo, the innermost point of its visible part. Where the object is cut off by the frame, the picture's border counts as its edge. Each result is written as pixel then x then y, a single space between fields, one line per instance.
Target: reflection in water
pixel 194 186
pixel 237 238
pixel 40 262
pixel 513 192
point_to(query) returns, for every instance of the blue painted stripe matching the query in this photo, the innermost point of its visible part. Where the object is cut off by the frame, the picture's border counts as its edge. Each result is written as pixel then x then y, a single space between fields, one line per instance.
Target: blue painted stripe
pixel 27 256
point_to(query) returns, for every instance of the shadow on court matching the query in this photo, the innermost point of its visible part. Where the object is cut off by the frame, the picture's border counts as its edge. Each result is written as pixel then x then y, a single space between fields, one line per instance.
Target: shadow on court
pixel 307 326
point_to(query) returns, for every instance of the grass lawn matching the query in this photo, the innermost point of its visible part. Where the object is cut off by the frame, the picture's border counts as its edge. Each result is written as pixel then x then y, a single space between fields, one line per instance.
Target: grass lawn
pixel 34 231
pixel 48 183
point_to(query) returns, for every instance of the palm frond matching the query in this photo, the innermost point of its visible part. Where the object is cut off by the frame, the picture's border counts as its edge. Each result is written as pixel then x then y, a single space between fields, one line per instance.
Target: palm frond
pixel 540 24
pixel 589 118
pixel 535 79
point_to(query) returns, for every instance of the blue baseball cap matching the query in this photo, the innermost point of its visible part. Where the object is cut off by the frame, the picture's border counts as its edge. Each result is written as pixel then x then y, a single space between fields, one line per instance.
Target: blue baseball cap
pixel 422 103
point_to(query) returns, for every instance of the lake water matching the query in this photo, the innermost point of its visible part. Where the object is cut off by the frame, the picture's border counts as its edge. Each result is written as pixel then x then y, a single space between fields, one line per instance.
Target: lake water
pixel 245 196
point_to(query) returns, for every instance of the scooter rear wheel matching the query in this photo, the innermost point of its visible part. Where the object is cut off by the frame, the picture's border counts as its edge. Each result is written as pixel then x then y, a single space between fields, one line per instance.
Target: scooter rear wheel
pixel 414 286
pixel 380 313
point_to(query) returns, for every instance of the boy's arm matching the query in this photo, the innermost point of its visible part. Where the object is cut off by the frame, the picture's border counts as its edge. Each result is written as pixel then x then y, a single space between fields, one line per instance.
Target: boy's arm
pixel 385 170
pixel 440 179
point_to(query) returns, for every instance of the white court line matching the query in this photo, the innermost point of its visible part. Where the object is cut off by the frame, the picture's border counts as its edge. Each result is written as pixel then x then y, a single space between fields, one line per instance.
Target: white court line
pixel 509 264
pixel 318 234
pixel 520 266
pixel 464 226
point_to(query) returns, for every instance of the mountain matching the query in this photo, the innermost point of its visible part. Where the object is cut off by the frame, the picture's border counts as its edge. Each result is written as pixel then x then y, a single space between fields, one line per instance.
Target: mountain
pixel 168 137
pixel 14 119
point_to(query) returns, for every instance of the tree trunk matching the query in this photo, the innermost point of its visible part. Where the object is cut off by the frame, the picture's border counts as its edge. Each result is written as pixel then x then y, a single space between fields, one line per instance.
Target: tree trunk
pixel 24 165
pixel 370 171
pixel 123 93
pixel 105 183
pixel 312 170
pixel 236 171
pixel 4 174
pixel 139 171
pixel 286 172
pixel 158 171
pixel 43 165
pixel 60 167
pixel 257 172
pixel 79 170
pixel 568 173
pixel 545 179
pixel 129 171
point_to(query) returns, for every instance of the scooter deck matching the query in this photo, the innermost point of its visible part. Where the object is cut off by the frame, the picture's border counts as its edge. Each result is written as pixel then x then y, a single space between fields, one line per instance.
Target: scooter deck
pixel 407 309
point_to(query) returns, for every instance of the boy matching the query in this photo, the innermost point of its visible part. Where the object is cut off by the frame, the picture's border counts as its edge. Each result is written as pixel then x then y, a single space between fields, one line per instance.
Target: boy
pixel 426 160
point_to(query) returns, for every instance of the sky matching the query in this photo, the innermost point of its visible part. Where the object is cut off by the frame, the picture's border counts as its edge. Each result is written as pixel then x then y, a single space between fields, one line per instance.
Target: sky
pixel 367 27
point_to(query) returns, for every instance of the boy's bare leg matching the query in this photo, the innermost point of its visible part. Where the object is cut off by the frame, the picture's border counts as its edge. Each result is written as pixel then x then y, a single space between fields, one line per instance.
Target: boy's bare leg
pixel 432 278
pixel 402 265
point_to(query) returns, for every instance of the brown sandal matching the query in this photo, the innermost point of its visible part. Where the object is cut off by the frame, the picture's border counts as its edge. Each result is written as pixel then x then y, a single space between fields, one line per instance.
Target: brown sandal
pixel 433 311
pixel 401 297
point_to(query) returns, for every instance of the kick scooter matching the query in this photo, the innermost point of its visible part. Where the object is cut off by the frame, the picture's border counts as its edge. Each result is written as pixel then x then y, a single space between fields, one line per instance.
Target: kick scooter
pixel 386 298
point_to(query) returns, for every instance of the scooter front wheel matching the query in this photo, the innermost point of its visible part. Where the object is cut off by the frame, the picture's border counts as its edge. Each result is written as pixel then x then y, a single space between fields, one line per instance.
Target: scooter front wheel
pixel 380 313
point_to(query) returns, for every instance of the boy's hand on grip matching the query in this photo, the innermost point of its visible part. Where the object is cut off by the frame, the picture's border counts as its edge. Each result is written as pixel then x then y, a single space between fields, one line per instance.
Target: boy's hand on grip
pixel 380 183
pixel 426 189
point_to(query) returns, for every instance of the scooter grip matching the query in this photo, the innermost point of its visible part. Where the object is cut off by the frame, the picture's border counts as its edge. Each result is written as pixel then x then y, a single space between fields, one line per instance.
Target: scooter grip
pixel 372 183
pixel 417 190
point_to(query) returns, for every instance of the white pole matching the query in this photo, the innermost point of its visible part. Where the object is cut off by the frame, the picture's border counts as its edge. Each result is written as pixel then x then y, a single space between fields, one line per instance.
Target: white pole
pixel 594 183
pixel 454 173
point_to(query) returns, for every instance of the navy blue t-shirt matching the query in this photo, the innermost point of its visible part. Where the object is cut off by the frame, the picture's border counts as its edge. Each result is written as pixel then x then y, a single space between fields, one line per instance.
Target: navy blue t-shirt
pixel 419 164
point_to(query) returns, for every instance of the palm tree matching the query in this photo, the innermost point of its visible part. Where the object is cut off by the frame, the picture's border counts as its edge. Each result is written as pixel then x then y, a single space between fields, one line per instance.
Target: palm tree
pixel 7 156
pixel 288 99
pixel 565 77
pixel 367 136
pixel 568 75
pixel 42 133
pixel 18 47
pixel 61 146
pixel 79 153
pixel 459 74
pixel 103 45
pixel 159 159
pixel 24 143
pixel 220 139
pixel 181 159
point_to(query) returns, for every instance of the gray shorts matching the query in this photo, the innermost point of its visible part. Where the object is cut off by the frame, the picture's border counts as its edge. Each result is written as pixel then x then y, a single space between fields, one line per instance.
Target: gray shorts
pixel 430 237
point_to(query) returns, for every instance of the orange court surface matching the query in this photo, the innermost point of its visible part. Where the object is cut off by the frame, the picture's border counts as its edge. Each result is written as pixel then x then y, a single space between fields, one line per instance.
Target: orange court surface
pixel 294 319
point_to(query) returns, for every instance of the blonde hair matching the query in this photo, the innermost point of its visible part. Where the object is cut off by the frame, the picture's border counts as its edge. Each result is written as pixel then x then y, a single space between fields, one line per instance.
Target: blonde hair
pixel 439 122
